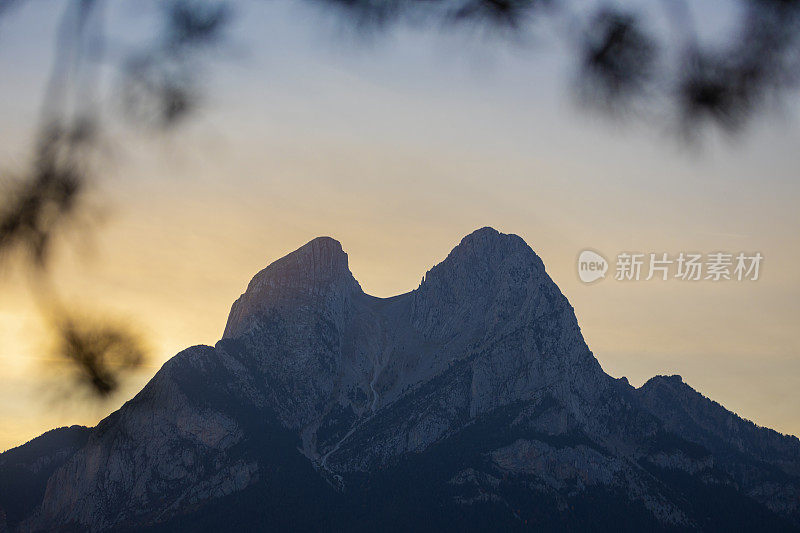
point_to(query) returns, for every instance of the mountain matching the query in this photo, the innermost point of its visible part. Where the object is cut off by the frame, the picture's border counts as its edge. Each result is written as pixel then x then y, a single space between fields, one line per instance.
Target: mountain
pixel 470 403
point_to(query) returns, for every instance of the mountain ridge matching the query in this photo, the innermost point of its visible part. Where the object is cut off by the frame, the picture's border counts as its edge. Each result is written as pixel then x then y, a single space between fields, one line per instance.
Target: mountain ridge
pixel 473 398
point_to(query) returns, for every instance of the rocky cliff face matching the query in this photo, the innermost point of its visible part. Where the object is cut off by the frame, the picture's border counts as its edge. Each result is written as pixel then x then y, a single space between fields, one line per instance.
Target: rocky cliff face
pixel 25 470
pixel 472 400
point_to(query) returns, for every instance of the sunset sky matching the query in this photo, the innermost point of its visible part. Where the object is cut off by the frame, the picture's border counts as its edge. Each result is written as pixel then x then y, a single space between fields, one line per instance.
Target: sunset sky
pixel 398 145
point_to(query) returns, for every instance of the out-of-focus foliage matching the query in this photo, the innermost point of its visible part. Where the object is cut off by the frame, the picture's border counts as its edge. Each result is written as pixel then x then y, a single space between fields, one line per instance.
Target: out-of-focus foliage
pixel 618 60
pixel 159 83
pixel 98 354
pixel 727 86
pixel 622 61
pixel 510 14
pixel 34 209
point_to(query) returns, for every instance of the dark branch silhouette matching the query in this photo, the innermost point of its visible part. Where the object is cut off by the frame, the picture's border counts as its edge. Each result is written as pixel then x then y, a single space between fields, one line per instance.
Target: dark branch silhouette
pixel 618 60
pixel 99 354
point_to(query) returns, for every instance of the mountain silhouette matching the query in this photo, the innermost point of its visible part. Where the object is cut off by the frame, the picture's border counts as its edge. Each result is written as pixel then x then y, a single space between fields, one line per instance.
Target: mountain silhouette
pixel 470 403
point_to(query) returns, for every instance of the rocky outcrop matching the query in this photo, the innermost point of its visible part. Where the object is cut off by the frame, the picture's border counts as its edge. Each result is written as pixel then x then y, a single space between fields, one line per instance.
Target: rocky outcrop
pixel 473 400
pixel 24 470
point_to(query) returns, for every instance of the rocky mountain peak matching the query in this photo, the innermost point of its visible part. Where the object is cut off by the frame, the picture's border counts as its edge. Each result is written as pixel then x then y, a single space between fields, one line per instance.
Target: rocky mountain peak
pixel 485 260
pixel 483 253
pixel 487 237
pixel 474 396
pixel 314 271
pixel 490 276
pixel 317 263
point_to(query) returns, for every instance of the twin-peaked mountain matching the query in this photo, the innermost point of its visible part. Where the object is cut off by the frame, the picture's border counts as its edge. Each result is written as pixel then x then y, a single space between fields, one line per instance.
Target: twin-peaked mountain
pixel 471 403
